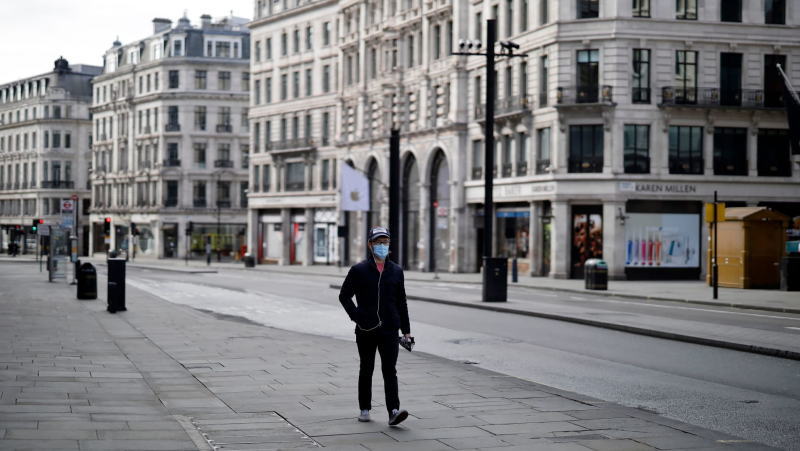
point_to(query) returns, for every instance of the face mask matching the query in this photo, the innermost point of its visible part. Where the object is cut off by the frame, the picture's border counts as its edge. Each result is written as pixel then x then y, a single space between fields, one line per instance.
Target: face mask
pixel 380 250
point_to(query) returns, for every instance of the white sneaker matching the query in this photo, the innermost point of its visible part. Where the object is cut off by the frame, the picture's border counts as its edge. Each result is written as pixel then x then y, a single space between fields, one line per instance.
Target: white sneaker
pixel 397 417
pixel 364 417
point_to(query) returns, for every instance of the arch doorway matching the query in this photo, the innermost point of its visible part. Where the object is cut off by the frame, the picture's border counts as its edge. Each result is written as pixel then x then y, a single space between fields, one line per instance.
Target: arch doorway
pixel 410 251
pixel 440 214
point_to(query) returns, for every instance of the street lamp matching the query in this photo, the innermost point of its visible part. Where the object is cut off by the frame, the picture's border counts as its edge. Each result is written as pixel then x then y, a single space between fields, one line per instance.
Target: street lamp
pixel 494 270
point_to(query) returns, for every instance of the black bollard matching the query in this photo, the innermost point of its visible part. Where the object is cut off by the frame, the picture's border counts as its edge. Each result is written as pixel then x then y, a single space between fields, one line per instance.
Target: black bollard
pixel 514 277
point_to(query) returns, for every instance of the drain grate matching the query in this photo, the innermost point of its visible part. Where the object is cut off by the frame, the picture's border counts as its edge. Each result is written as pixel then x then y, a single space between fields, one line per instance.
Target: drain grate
pixel 248 431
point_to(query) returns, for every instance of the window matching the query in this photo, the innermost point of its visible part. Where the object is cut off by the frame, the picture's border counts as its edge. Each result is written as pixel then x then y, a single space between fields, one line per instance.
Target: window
pixel 173 79
pixel 587 89
pixel 295 127
pixel 326 33
pixel 509 82
pixel 637 149
pixel 296 84
pixel 67 140
pixel 523 79
pixel 731 10
pixel 257 51
pixel 544 12
pixel 56 140
pixel 641 8
pixel 586 148
pixel 543 66
pixel 199 118
pixel 284 44
pixel 641 76
pixel 509 18
pixel 224 81
pixel 773 153
pixel 268 48
pixel 284 86
pixel 588 9
pixel 773 81
pixel 172 194
pixel 437 41
pixel 243 194
pixel 256 178
pixel 245 81
pixel 309 82
pixel 685 150
pixel 309 37
pixel 730 79
pixel 199 194
pixel 295 176
pixel 326 175
pixel 730 151
pixel 522 154
pixel 200 155
pixel 177 48
pixel 686 76
pixel 200 79
pixel 296 41
pixel 224 152
pixel 543 144
pixel 172 152
pixel 326 78
pixel 266 182
pixel 257 92
pixel 523 18
pixel 478 26
pixel 686 9
pixel 326 125
pixel 222 49
pixel 172 118
pixel 268 88
pixel 775 12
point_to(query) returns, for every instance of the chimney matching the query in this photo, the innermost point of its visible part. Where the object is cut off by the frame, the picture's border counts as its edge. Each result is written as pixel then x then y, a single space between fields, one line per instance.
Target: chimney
pixel 205 20
pixel 160 25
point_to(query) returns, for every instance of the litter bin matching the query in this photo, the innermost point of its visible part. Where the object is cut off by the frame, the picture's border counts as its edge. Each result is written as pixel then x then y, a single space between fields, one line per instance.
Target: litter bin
pixel 595 274
pixel 87 281
pixel 790 273
pixel 249 261
pixel 116 285
pixel 495 279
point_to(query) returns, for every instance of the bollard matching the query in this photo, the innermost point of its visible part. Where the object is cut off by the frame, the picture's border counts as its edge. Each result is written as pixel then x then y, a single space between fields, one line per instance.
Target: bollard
pixel 514 274
pixel 116 285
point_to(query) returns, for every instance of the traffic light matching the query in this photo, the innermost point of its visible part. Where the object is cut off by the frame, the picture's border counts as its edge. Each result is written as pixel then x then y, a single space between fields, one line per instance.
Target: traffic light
pixel 134 230
pixel 107 226
pixel 189 227
pixel 35 225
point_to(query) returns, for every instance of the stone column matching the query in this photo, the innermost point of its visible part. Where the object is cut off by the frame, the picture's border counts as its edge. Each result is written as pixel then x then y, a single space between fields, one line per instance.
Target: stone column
pixel 560 241
pixel 308 259
pixel 424 220
pixel 614 239
pixel 535 238
pixel 286 232
pixel 752 150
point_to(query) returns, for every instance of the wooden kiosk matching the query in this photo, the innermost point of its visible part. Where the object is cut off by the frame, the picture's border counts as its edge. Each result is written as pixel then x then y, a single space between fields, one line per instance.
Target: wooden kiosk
pixel 751 244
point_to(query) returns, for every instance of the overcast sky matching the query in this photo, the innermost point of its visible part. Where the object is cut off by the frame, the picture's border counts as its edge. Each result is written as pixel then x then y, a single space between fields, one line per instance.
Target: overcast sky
pixel 36 32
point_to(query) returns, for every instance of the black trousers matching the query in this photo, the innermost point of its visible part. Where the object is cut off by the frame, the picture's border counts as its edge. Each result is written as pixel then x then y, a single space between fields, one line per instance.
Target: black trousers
pixel 388 346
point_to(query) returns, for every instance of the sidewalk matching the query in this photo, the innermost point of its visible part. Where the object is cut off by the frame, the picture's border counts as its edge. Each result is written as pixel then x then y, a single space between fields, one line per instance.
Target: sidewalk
pixel 166 377
pixel 695 292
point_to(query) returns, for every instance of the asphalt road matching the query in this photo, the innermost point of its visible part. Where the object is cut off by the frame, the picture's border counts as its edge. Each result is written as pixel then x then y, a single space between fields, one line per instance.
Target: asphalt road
pixel 752 396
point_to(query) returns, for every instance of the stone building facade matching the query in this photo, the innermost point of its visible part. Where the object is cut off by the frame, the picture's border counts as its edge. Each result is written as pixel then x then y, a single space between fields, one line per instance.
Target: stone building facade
pixel 45 140
pixel 623 119
pixel 171 148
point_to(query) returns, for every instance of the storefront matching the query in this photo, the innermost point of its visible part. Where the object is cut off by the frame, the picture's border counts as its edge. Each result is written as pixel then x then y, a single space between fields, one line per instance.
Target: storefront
pixel 298 238
pixel 512 234
pixel 325 234
pixel 226 240
pixel 270 237
pixel 170 234
pixel 586 239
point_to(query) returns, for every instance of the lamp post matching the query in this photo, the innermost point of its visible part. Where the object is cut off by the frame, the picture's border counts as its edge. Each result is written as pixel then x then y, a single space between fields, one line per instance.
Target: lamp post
pixel 494 270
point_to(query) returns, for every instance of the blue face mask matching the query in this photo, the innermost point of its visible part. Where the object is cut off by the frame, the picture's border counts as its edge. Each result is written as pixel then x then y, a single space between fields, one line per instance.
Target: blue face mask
pixel 380 250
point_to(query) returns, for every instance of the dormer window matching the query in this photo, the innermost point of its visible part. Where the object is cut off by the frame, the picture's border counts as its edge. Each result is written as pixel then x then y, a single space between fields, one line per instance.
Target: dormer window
pixel 177 48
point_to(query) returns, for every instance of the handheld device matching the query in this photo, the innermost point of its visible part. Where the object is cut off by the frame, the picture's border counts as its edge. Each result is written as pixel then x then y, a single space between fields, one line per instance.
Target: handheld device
pixel 407 343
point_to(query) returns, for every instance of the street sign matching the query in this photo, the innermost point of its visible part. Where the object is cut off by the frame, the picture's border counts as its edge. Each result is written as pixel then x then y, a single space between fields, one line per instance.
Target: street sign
pixel 74 197
pixel 710 212
pixel 67 205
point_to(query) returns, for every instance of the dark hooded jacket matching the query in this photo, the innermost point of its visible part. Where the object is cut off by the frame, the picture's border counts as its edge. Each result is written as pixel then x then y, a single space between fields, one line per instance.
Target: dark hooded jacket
pixel 380 297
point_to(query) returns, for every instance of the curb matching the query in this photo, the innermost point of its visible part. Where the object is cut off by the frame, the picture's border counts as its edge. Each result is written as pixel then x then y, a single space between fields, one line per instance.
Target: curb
pixel 164 268
pixel 773 352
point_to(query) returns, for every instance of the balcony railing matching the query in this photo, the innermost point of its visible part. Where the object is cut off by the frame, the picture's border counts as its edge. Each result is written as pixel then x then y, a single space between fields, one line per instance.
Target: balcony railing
pixel 295 186
pixel 291 144
pixel 198 203
pixel 522 168
pixel 58 184
pixel 505 106
pixel 586 164
pixel 640 95
pixel 172 162
pixel 716 97
pixel 477 173
pixel 584 94
pixel 224 128
pixel 223 163
pixel 542 165
pixel 170 127
pixel 507 170
pixel 223 204
pixel 543 99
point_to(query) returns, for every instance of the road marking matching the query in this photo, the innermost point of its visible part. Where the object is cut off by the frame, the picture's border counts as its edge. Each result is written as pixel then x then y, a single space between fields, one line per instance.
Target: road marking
pixel 794 328
pixel 577 298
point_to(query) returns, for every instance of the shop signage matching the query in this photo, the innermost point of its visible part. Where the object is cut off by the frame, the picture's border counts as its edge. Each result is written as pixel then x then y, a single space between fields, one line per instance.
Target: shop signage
pixel 669 188
pixel 543 188
pixel 513 214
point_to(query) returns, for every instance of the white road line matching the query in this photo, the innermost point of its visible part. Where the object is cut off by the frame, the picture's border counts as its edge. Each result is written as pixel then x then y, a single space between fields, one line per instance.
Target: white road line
pixel 794 328
pixel 577 298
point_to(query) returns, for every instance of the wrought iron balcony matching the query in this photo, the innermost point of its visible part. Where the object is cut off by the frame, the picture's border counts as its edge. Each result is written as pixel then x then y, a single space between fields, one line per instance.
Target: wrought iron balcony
pixel 58 184
pixel 640 95
pixel 172 162
pixel 291 144
pixel 199 203
pixel 477 173
pixel 223 163
pixel 507 170
pixel 586 164
pixel 716 97
pixel 584 94
pixel 542 165
pixel 172 127
pixel 522 168
pixel 505 107
pixel 223 204
pixel 224 128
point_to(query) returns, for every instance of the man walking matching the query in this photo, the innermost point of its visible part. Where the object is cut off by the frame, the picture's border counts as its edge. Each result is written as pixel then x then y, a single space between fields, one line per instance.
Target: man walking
pixel 380 293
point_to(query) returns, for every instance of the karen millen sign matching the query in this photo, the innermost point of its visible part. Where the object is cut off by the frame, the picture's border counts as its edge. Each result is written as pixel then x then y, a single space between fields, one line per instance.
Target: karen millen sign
pixel 669 188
